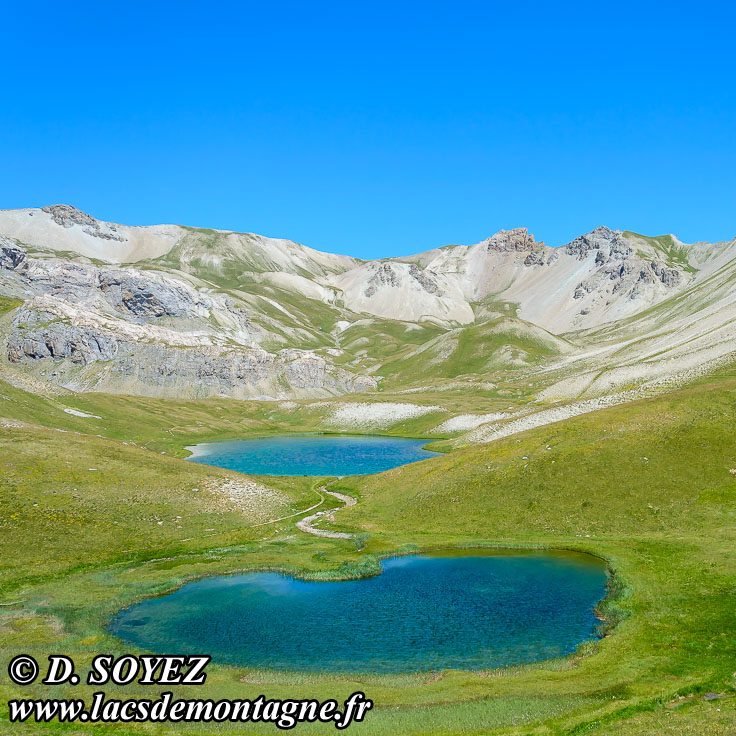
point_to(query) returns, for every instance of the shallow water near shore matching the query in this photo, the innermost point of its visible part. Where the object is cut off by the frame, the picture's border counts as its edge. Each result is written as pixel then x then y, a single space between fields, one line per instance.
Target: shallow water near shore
pixel 466 611
pixel 311 454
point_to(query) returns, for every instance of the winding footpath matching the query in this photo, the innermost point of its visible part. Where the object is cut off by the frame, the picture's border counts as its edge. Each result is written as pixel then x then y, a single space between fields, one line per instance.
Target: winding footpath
pixel 305 524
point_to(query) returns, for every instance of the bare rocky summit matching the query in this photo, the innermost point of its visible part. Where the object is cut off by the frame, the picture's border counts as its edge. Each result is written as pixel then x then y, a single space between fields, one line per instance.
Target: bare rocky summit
pixel 68 216
pixel 602 238
pixel 518 239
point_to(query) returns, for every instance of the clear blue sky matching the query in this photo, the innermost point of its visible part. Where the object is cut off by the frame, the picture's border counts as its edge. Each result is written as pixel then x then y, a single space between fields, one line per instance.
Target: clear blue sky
pixel 375 128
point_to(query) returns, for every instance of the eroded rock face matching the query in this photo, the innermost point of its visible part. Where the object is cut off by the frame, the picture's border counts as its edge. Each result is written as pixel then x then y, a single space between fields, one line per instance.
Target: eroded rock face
pixel 146 297
pixel 151 334
pixel 668 276
pixel 59 341
pixel 535 258
pixel 427 283
pixel 630 275
pixel 647 274
pixel 129 292
pixel 11 255
pixel 167 370
pixel 63 278
pixel 518 239
pixel 615 262
pixel 602 239
pixel 67 216
pixel 384 276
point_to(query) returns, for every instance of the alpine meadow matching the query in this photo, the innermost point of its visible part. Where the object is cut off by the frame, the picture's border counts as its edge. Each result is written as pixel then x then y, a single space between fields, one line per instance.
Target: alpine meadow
pixel 578 399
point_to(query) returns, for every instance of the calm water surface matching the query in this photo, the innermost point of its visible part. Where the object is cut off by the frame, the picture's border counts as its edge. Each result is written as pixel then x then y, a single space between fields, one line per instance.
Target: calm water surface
pixel 421 613
pixel 311 454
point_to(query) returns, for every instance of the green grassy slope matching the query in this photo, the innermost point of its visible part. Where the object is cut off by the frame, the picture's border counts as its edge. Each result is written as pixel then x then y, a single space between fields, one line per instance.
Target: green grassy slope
pixel 223 257
pixel 168 426
pixel 481 350
pixel 71 501
pixel 646 485
pixel 666 247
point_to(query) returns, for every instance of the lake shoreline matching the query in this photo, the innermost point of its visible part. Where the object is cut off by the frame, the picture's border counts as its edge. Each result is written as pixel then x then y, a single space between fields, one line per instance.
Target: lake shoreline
pixel 482 638
pixel 311 454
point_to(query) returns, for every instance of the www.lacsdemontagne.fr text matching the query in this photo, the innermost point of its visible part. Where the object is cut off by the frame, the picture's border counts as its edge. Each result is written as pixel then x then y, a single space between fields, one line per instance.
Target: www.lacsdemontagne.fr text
pixel 284 714
pixel 158 671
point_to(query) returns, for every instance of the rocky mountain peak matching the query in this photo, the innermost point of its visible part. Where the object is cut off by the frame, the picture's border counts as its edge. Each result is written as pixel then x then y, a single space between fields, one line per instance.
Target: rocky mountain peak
pixel 602 238
pixel 517 239
pixel 67 216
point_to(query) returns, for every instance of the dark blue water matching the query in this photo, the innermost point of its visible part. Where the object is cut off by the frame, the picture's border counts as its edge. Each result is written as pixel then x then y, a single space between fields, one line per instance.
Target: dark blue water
pixel 421 613
pixel 311 454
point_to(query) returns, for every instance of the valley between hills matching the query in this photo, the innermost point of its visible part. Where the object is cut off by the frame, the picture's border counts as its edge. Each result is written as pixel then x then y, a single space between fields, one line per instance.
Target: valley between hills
pixel 583 397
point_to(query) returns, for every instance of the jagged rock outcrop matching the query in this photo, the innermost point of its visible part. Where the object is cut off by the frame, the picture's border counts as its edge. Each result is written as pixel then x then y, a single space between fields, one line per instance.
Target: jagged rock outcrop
pixel 535 258
pixel 615 262
pixel 518 239
pixel 147 297
pixel 653 272
pixel 630 276
pixel 428 284
pixel 167 370
pixel 11 255
pixel 542 257
pixel 668 276
pixel 600 239
pixel 68 216
pixel 384 276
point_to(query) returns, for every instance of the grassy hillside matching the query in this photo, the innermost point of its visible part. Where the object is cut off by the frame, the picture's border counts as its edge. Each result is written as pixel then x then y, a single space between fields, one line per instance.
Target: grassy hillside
pixel 482 350
pixel 648 486
pixel 224 257
pixel 168 426
pixel 666 247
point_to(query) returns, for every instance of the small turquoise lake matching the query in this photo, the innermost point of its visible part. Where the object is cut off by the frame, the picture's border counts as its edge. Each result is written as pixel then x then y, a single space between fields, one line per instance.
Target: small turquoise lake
pixel 473 611
pixel 311 454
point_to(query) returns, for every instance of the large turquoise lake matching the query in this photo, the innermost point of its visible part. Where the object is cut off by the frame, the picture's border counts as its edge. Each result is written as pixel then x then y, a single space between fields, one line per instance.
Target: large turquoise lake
pixel 311 454
pixel 421 613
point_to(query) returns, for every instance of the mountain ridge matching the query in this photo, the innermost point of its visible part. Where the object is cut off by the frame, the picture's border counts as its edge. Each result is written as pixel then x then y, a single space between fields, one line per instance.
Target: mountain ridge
pixel 439 284
pixel 245 316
